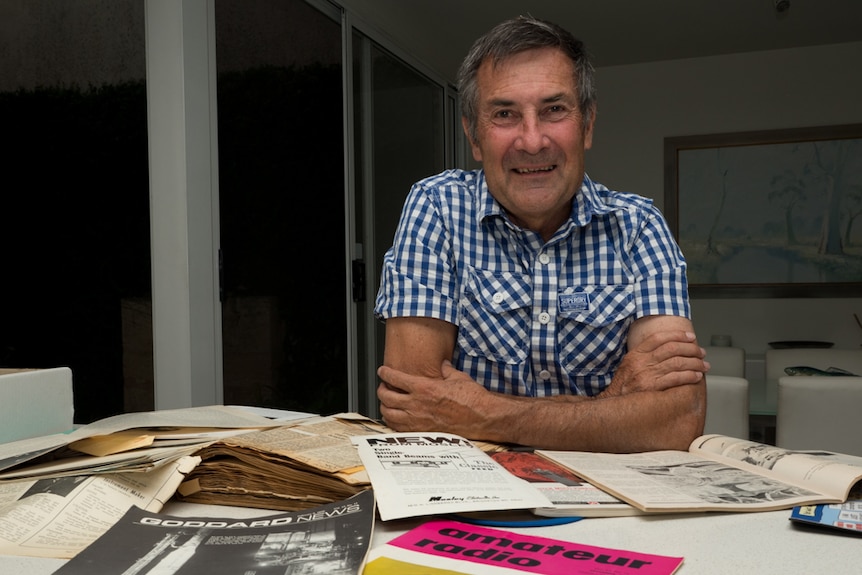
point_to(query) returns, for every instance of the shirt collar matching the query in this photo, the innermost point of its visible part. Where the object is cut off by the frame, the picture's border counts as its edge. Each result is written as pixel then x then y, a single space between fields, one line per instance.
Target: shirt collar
pixel 586 203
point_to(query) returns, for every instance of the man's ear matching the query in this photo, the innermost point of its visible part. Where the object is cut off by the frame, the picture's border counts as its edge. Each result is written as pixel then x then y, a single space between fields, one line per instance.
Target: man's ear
pixel 477 153
pixel 588 129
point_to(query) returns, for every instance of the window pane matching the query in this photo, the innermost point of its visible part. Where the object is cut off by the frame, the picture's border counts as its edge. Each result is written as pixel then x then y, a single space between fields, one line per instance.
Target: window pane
pixel 281 205
pixel 76 267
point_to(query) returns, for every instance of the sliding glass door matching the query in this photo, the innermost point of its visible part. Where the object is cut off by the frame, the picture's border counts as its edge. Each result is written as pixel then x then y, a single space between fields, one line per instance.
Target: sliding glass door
pixel 400 136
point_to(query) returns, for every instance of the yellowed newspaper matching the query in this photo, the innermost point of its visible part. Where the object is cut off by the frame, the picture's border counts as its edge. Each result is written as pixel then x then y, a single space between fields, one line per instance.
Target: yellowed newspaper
pixel 297 466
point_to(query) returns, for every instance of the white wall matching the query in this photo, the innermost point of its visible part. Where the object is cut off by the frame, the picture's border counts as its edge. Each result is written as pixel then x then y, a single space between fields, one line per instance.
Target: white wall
pixel 640 105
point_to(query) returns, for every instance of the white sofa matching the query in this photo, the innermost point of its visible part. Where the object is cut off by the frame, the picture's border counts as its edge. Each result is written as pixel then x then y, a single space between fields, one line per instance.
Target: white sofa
pixel 726 392
pixel 727 406
pixel 817 412
pixel 726 360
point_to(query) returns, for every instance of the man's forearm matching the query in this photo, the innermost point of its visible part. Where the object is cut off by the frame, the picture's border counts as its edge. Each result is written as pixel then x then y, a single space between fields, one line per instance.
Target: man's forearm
pixel 644 421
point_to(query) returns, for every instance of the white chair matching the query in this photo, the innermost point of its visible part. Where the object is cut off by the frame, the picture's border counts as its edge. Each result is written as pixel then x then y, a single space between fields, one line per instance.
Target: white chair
pixel 726 392
pixel 819 413
pixel 726 405
pixel 726 360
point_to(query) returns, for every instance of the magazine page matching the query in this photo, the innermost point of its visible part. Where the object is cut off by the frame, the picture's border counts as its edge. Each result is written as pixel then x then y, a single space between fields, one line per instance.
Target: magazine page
pixel 428 473
pixel 570 495
pixel 455 547
pixel 58 517
pixel 331 539
pixel 673 481
pixel 832 474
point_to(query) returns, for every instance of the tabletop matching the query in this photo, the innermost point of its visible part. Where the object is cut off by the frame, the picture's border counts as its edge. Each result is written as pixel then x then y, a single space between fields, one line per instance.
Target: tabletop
pixel 719 543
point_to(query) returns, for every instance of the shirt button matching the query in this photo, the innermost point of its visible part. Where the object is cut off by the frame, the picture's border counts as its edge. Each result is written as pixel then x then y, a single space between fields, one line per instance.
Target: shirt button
pixel 544 317
pixel 544 258
pixel 498 297
pixel 544 375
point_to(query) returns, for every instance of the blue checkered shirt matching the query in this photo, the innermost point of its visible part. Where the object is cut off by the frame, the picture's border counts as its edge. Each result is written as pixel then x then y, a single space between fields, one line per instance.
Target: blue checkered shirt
pixel 533 318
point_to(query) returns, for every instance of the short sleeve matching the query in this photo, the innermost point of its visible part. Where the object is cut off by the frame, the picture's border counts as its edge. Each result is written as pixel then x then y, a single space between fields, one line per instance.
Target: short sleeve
pixel 417 277
pixel 660 270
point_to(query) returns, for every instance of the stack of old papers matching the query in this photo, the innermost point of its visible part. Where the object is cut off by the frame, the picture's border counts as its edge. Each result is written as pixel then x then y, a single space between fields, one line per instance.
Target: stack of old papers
pixel 290 468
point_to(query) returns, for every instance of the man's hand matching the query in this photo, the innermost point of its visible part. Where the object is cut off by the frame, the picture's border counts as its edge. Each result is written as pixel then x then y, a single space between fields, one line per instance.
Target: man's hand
pixel 659 361
pixel 418 403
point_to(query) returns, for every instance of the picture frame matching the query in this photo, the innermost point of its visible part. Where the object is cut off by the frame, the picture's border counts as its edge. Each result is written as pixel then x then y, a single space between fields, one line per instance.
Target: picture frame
pixel 772 213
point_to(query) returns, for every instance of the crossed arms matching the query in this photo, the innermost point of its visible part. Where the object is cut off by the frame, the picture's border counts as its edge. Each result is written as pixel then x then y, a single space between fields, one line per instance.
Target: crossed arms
pixel 656 400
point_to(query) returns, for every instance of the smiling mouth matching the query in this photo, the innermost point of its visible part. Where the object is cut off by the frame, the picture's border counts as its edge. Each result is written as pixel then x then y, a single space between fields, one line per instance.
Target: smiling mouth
pixel 535 170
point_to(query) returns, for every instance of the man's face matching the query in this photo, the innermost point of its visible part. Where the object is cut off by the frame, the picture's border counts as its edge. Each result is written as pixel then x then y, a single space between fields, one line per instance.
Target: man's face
pixel 532 137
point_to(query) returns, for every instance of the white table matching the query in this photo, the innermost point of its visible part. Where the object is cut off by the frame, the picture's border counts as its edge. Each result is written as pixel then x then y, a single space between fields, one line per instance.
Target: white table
pixel 711 543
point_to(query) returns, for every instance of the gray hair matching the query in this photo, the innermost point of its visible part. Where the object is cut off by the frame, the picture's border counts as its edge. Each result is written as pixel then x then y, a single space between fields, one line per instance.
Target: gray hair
pixel 519 35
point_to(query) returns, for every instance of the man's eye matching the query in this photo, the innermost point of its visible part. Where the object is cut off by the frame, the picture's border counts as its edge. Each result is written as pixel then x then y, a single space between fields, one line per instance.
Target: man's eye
pixel 556 112
pixel 505 117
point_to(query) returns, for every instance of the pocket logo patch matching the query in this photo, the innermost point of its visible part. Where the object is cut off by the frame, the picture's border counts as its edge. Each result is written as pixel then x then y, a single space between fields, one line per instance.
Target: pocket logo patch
pixel 574 302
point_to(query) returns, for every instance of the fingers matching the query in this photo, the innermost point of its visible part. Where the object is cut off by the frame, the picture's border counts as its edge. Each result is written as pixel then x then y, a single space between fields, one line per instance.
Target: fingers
pixel 662 360
pixel 671 343
pixel 411 402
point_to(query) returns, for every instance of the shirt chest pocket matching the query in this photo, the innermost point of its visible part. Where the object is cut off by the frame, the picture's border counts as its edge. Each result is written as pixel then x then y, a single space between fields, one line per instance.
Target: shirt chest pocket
pixel 593 325
pixel 495 316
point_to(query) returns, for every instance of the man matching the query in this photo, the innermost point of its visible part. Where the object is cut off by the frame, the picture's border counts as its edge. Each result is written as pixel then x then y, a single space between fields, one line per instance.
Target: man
pixel 525 303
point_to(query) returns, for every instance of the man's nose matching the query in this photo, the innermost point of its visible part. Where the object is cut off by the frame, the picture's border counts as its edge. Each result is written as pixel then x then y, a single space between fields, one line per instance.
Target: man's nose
pixel 531 138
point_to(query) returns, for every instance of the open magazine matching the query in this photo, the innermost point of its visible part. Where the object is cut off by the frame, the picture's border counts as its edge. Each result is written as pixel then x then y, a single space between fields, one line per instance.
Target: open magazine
pixel 718 473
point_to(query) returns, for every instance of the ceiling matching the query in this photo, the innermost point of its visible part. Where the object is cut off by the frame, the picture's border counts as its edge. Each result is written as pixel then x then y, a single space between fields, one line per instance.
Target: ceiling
pixel 618 32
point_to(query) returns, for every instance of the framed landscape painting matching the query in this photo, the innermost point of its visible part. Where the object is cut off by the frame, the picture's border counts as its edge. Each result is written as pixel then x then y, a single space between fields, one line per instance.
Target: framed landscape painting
pixel 770 213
